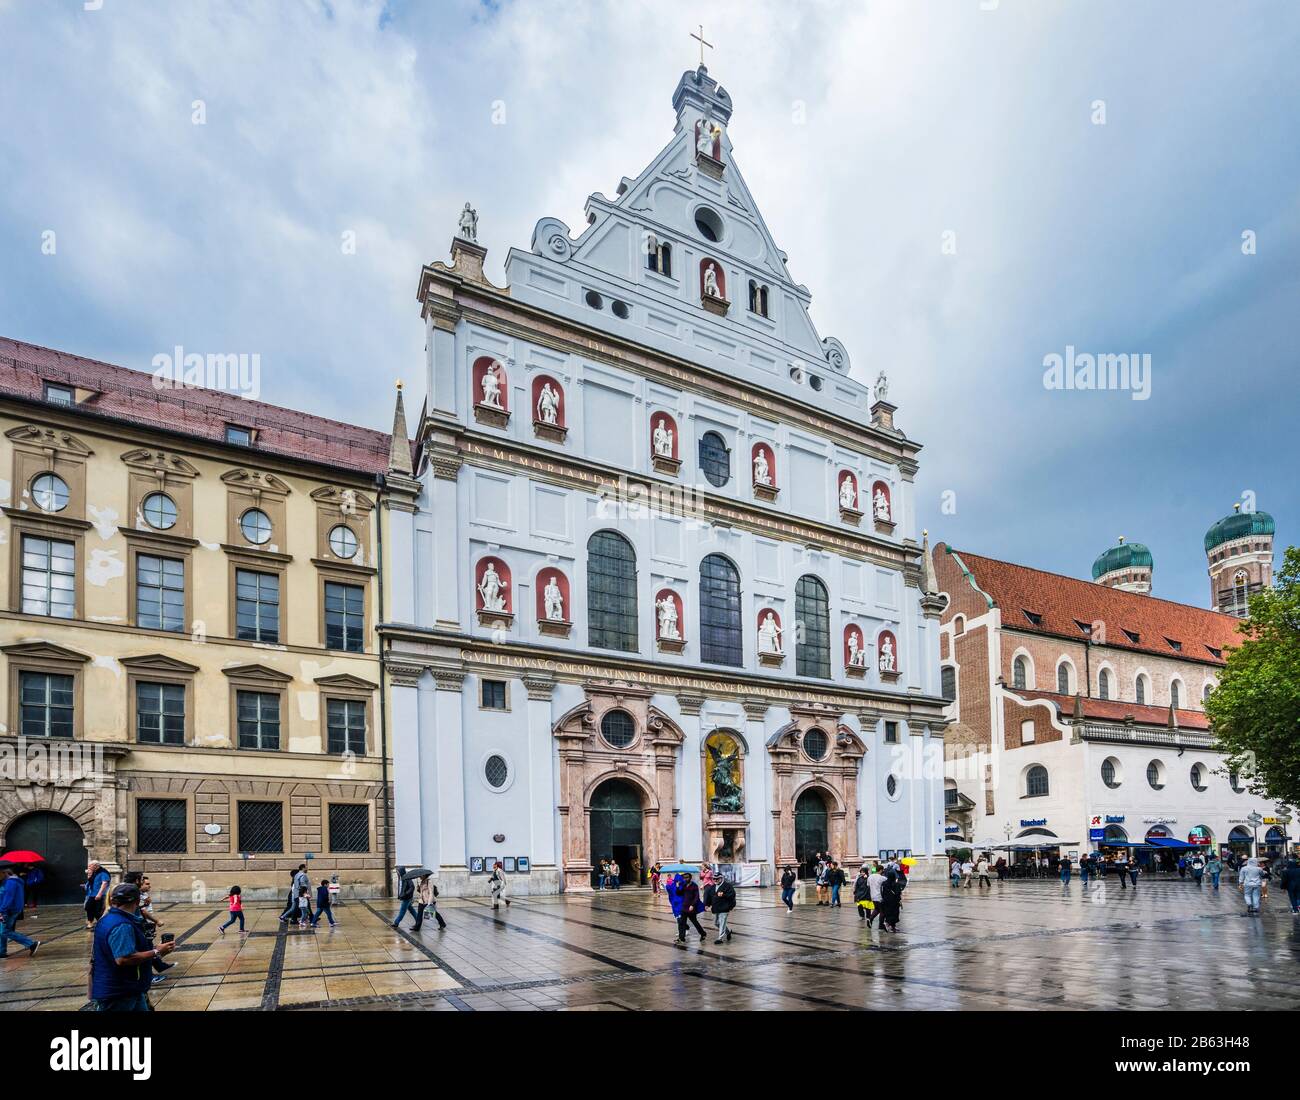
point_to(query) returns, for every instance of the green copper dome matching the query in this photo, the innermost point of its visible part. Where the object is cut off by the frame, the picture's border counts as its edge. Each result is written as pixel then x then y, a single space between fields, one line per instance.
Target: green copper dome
pixel 1239 525
pixel 1127 555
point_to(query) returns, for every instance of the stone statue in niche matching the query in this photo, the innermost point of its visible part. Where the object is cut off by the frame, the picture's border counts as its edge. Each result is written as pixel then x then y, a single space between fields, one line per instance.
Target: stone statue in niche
pixel 711 289
pixel 667 611
pixel 857 652
pixel 725 775
pixel 467 227
pixel 492 385
pixel 848 492
pixel 887 655
pixel 709 132
pixel 881 502
pixel 663 439
pixel 548 404
pixel 769 635
pixel 553 599
pixel 762 474
pixel 492 590
pixel 882 387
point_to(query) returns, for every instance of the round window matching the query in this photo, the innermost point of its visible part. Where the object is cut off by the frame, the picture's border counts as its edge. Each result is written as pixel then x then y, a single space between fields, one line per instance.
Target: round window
pixel 708 223
pixel 1155 775
pixel 618 729
pixel 815 744
pixel 621 311
pixel 1198 777
pixel 256 526
pixel 891 786
pixel 159 511
pixel 496 771
pixel 1109 773
pixel 594 300
pixel 50 493
pixel 343 543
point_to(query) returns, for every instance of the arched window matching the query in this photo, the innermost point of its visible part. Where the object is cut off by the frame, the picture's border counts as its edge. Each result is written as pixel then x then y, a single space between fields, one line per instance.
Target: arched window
pixel 1205 691
pixel 715 459
pixel 1036 782
pixel 659 257
pixel 1140 689
pixel 757 298
pixel 948 682
pixel 611 592
pixel 1020 672
pixel 721 633
pixel 1109 775
pixel 1103 684
pixel 812 613
pixel 1240 590
pixel 1063 678
pixel 1175 696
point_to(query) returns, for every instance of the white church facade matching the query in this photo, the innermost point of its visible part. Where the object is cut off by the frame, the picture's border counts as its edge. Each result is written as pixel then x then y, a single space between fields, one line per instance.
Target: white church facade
pixel 656 590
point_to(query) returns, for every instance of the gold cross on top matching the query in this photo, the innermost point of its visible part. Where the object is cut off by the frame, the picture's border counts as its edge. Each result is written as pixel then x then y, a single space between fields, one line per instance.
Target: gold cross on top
pixel 700 39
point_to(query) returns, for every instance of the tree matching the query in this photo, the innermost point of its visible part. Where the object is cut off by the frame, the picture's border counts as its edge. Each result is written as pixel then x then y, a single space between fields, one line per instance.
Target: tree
pixel 1255 710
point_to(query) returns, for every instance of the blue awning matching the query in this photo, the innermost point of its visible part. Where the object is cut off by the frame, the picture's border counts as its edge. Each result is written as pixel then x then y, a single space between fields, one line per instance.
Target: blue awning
pixel 1170 842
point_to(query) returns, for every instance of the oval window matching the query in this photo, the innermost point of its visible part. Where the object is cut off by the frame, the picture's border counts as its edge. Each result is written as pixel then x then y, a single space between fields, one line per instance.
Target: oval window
pixel 709 224
pixel 343 542
pixel 618 729
pixel 815 744
pixel 496 772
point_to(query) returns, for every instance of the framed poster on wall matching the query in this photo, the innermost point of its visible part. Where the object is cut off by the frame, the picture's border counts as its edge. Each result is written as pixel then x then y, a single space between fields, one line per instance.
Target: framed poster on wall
pixel 475 865
pixel 508 864
pixel 523 865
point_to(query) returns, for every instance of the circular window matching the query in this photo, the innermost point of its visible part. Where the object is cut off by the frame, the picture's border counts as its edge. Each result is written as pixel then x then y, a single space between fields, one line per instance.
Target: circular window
pixel 620 310
pixel 50 493
pixel 618 729
pixel 1156 775
pixel 708 223
pixel 715 459
pixel 1234 781
pixel 343 543
pixel 496 772
pixel 1198 778
pixel 159 511
pixel 256 526
pixel 815 381
pixel 891 786
pixel 815 744
pixel 1110 772
pixel 594 300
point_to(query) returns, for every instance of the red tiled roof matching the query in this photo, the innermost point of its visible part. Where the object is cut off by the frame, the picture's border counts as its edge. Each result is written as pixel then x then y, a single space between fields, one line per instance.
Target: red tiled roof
pixel 129 395
pixel 1116 710
pixel 1059 601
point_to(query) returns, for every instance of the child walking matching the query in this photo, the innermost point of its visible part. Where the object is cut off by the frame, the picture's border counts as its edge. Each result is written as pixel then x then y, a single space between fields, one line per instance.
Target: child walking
pixel 236 910
pixel 303 910
pixel 323 904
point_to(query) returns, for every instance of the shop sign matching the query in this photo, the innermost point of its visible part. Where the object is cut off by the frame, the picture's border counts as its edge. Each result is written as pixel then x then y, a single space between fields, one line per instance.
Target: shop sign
pixel 1108 819
pixel 1160 821
pixel 1277 821
pixel 1096 834
pixel 1029 823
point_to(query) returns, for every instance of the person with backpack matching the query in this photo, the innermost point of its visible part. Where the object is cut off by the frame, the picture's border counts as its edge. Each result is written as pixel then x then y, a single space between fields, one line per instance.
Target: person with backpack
pixel 405 894
pixel 724 901
pixel 891 900
pixel 236 899
pixel 426 894
pixel 788 881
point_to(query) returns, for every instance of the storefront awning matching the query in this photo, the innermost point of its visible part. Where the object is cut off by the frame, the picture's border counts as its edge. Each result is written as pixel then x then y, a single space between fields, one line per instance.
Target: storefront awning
pixel 1169 842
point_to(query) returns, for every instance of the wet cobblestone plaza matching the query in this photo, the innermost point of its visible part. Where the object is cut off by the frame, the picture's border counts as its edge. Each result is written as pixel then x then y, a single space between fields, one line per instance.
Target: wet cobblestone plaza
pixel 1018 946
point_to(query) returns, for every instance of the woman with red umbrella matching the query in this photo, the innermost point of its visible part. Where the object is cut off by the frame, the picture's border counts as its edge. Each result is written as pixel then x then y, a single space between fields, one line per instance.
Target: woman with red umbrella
pixel 24 864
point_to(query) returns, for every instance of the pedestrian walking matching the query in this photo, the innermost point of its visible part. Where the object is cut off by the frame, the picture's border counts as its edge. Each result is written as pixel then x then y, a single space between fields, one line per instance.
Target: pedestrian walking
pixel 151 921
pixel 862 895
pixel 1250 880
pixel 688 894
pixel 954 872
pixel 1182 866
pixel 982 871
pixel 302 913
pixel 1066 868
pixel 121 954
pixel 405 894
pixel 823 887
pixel 967 871
pixel 1198 868
pixel 236 900
pixel 1085 869
pixel 876 883
pixel 1214 868
pixel 301 882
pixel 835 879
pixel 97 880
pixel 891 901
pixel 788 881
pixel 724 901
pixel 1001 866
pixel 655 878
pixel 325 907
pixel 426 894
pixel 32 879
pixel 497 885
pixel 1290 879
pixel 13 897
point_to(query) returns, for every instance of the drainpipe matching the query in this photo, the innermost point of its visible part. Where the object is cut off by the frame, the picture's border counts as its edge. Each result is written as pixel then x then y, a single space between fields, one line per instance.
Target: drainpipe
pixel 381 507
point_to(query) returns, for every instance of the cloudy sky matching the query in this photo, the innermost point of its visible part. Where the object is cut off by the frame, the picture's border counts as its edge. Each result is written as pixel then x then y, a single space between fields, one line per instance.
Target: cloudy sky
pixel 966 186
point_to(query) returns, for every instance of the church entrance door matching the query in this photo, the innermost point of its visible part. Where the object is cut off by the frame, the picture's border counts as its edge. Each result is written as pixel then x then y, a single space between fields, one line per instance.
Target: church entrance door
pixel 616 816
pixel 60 840
pixel 810 831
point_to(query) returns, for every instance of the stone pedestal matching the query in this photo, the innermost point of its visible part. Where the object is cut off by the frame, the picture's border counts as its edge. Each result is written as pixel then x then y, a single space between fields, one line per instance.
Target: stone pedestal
pixel 716 828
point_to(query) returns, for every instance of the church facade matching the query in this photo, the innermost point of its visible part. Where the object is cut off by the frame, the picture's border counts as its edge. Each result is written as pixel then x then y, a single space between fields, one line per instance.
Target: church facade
pixel 655 586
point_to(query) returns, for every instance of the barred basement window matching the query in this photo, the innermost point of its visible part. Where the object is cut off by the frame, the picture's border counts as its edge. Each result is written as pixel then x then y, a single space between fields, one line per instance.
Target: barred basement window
pixel 812 651
pixel 496 772
pixel 618 728
pixel 611 592
pixel 160 825
pixel 258 717
pixel 159 714
pixel 721 633
pixel 257 606
pixel 349 827
pixel 159 593
pixel 45 704
pixel 345 721
pixel 261 826
pixel 345 617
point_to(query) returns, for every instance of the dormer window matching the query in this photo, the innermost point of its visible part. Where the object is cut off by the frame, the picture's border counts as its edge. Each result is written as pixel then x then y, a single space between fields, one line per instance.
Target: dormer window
pixel 1133 636
pixel 757 299
pixel 57 394
pixel 659 257
pixel 1033 616
pixel 240 437
pixel 1177 647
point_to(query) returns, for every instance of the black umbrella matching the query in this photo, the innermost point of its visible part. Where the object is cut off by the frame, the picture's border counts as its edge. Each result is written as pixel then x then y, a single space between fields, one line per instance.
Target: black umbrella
pixel 416 872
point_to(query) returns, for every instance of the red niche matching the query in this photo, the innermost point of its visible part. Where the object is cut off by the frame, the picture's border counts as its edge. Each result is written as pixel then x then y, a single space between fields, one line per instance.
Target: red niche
pixel 769 457
pixel 717 140
pixel 502 584
pixel 858 643
pixel 554 400
pixel 719 274
pixel 887 655
pixel 886 513
pixel 847 499
pixel 548 579
pixel 498 398
pixel 664 445
pixel 679 621
pixel 766 642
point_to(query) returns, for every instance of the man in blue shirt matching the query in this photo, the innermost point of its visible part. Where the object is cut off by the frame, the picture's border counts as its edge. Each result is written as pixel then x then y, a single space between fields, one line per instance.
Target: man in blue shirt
pixel 12 900
pixel 97 880
pixel 121 956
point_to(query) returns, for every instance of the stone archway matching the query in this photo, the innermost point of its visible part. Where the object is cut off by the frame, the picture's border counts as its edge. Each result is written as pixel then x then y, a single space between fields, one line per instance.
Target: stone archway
pixel 815 752
pixel 615 734
pixel 62 841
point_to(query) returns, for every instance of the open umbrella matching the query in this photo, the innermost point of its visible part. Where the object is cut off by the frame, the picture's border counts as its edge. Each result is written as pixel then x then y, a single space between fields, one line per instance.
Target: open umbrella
pixel 22 856
pixel 416 872
pixel 680 869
